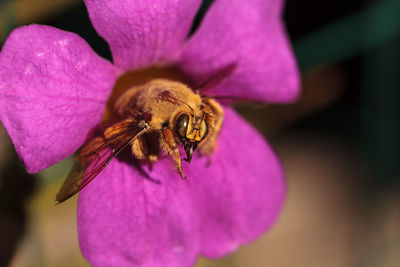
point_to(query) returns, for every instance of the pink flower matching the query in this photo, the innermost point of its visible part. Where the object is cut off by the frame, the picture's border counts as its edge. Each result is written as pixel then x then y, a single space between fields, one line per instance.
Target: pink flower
pixel 53 90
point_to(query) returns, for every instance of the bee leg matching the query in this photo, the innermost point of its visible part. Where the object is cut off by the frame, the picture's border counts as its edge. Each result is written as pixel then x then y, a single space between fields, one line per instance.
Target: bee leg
pixel 142 149
pixel 214 116
pixel 169 145
pixel 139 149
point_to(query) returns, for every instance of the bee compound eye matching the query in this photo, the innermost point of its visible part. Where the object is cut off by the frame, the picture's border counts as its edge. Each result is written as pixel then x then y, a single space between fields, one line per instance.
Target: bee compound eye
pixel 181 125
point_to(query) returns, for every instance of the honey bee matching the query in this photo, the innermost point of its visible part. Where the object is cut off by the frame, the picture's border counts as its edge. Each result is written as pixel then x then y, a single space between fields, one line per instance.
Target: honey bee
pixel 160 115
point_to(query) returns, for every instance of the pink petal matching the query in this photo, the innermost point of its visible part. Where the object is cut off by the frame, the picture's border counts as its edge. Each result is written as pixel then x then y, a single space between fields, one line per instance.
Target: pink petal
pixel 241 193
pixel 141 33
pixel 127 220
pixel 251 34
pixel 53 90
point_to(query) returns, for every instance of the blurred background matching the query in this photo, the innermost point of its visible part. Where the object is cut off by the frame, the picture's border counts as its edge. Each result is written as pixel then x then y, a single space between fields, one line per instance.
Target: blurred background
pixel 339 145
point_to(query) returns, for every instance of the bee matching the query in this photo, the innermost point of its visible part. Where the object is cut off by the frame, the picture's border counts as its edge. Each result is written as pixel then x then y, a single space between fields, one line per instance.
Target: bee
pixel 160 115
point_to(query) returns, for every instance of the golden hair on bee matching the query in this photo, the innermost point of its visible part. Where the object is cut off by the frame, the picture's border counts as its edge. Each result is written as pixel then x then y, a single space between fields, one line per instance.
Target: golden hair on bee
pixel 159 115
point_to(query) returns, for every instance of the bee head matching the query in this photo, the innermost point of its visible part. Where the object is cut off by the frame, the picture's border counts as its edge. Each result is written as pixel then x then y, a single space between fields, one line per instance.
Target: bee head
pixel 191 130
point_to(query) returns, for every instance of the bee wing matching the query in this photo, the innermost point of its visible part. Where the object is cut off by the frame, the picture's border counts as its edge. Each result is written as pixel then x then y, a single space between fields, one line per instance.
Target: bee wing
pixel 94 156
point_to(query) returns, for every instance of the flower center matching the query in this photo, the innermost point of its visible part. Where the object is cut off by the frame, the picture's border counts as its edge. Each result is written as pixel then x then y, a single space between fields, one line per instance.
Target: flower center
pixel 141 76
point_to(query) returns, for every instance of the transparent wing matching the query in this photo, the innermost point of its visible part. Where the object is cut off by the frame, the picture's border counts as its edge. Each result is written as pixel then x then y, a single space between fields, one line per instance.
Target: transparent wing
pixel 94 156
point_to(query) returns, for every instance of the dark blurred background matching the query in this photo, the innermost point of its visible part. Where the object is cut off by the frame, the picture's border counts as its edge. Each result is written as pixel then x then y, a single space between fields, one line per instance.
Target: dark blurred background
pixel 339 145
